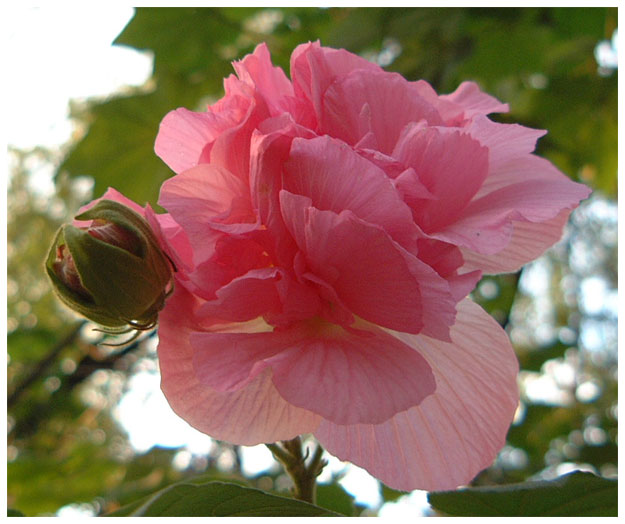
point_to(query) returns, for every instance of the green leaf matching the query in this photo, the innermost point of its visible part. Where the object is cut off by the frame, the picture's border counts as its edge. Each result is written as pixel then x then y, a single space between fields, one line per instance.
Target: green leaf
pixel 14 513
pixel 335 498
pixel 218 499
pixel 576 494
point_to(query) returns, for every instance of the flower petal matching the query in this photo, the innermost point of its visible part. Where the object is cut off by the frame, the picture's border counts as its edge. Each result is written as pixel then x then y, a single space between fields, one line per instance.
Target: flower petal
pixel 184 135
pixel 450 164
pixel 534 191
pixel 504 141
pixel 455 432
pixel 346 376
pixel 529 240
pixel 269 81
pixel 336 178
pixel 203 197
pixel 378 102
pixel 352 377
pixel 249 416
pixel 246 297
pixel 474 101
pixel 315 68
pixel 373 275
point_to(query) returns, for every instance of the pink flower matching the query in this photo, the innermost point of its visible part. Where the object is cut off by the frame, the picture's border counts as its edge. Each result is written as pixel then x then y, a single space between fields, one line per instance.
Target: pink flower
pixel 327 230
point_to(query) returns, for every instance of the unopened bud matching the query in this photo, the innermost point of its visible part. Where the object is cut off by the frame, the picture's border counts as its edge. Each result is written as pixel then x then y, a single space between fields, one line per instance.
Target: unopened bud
pixel 113 271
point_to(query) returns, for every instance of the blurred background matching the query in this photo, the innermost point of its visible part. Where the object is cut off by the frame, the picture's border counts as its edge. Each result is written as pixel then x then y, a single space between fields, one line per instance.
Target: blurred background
pixel 88 429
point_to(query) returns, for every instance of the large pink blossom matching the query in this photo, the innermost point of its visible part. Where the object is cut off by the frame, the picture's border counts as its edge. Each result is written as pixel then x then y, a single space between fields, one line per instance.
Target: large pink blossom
pixel 326 232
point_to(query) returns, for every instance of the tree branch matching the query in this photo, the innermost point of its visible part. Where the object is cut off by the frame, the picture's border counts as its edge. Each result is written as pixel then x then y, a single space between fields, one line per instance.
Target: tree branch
pixel 43 365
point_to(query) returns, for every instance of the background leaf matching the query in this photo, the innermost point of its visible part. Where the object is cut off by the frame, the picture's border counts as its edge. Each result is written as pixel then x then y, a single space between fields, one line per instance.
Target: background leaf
pixel 577 494
pixel 219 499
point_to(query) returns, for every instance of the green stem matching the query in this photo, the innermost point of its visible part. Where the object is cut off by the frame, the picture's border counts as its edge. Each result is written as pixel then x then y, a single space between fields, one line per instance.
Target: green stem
pixel 304 476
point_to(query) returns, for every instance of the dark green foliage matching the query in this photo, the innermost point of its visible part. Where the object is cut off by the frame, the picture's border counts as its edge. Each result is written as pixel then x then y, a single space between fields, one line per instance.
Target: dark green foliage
pixel 574 495
pixel 218 499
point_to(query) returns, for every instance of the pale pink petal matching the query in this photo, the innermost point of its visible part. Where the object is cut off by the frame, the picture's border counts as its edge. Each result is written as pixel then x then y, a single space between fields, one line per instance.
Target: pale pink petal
pixel 184 135
pixel 203 197
pixel 474 101
pixel 270 82
pixel 535 191
pixel 315 363
pixel 315 68
pixel 412 189
pixel 268 153
pixel 504 141
pixel 450 164
pixel 231 148
pixel 246 297
pixel 373 275
pixel 172 238
pixel 373 375
pixel 446 259
pixel 231 257
pixel 378 102
pixel 336 178
pixel 252 415
pixel 454 433
pixel 529 240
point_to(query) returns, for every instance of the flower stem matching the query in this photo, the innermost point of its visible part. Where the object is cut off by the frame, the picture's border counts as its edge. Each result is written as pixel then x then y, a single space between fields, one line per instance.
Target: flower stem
pixel 289 454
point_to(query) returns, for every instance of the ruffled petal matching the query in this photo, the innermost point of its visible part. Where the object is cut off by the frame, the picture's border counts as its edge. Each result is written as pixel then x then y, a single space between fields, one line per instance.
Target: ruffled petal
pixel 374 276
pixel 269 81
pixel 379 103
pixel 504 141
pixel 252 415
pixel 246 297
pixel 474 101
pixel 450 164
pixel 184 136
pixel 455 432
pixel 363 376
pixel 336 178
pixel 202 198
pixel 315 68
pixel 535 191
pixel 529 240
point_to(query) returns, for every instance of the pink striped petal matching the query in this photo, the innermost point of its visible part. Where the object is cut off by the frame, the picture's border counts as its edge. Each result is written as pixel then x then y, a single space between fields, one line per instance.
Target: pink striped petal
pixel 450 164
pixel 336 178
pixel 373 275
pixel 269 81
pixel 315 363
pixel 474 101
pixel 249 416
pixel 184 137
pixel 377 102
pixel 454 433
pixel 535 191
pixel 529 240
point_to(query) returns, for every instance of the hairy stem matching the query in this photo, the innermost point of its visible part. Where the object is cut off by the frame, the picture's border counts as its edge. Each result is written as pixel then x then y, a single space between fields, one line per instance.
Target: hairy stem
pixel 304 475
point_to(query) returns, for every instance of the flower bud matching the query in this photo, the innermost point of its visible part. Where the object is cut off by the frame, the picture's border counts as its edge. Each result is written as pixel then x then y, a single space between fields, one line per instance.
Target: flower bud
pixel 113 271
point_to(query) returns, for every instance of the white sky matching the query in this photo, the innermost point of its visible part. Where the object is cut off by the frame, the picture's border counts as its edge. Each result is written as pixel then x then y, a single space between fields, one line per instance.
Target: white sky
pixel 64 52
